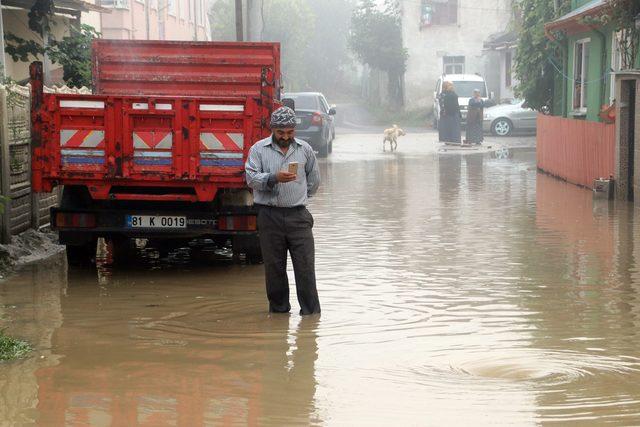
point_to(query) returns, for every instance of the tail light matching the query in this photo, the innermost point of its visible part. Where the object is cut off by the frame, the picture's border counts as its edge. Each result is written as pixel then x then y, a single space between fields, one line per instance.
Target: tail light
pixel 316 119
pixel 75 220
pixel 237 223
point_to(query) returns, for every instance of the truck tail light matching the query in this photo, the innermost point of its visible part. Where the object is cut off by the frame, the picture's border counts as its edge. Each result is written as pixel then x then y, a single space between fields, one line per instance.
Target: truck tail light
pixel 75 220
pixel 316 119
pixel 237 223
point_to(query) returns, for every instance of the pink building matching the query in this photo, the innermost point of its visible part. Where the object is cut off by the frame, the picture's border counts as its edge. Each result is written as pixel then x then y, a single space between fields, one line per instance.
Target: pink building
pixel 155 20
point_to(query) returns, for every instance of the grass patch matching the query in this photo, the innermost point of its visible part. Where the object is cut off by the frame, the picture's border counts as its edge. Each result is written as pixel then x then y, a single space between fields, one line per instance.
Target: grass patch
pixel 11 348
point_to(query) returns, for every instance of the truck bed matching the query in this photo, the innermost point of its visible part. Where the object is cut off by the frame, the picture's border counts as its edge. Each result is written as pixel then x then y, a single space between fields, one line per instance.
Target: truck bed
pixel 170 148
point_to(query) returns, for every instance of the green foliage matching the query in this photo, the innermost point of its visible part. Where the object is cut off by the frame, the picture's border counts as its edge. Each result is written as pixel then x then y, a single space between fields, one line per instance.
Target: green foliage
pixel 376 40
pixel 39 16
pixel 290 22
pixel 376 37
pixel 222 20
pixel 622 15
pixel 73 52
pixel 3 201
pixel 535 52
pixel 312 33
pixel 11 348
pixel 328 60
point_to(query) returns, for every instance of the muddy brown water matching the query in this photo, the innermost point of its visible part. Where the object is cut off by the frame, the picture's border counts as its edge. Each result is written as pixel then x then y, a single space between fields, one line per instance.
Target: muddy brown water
pixel 455 291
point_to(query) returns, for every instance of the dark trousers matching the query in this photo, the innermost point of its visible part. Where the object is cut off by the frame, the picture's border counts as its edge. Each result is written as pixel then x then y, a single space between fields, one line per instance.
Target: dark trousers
pixel 282 230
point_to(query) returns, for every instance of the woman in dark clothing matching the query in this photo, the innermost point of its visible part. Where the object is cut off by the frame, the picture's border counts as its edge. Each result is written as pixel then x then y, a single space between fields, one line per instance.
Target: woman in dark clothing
pixel 474 119
pixel 449 124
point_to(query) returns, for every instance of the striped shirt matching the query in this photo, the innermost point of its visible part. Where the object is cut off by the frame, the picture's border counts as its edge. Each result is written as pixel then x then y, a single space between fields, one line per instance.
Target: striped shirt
pixel 266 160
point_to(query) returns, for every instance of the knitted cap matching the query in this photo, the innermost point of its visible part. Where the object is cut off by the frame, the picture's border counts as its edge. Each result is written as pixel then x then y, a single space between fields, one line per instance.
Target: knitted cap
pixel 283 117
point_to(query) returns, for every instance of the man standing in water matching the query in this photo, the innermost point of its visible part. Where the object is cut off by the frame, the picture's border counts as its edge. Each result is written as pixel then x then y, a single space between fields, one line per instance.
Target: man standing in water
pixel 283 173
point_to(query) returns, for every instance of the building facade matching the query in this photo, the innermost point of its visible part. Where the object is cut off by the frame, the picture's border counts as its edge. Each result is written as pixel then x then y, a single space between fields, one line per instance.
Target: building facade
pixel 587 75
pixel 500 49
pixel 447 36
pixel 156 20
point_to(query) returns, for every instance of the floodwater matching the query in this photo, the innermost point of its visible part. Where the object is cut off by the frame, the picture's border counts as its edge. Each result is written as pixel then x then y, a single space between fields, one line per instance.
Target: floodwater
pixel 456 290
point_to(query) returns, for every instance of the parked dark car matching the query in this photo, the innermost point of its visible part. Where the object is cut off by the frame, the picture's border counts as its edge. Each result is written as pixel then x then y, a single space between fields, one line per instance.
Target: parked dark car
pixel 315 120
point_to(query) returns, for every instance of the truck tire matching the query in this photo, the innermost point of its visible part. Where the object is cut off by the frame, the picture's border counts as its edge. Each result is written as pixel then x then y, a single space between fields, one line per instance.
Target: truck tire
pixel 249 246
pixel 79 255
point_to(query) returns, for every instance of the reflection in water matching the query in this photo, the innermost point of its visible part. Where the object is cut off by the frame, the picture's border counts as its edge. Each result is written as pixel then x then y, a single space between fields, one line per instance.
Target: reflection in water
pixel 456 290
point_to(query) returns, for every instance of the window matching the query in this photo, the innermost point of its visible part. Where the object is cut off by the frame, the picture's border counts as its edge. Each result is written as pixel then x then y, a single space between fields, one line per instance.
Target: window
pixel 507 68
pixel 580 75
pixel 171 7
pixel 304 102
pixel 445 12
pixel 116 4
pixel 453 64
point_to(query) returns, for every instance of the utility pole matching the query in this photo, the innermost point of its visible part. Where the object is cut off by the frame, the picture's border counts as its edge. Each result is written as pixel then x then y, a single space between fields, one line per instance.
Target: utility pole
pixel 239 26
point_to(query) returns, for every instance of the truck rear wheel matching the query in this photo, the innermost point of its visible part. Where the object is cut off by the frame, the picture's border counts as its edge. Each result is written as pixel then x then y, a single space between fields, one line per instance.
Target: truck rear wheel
pixel 249 246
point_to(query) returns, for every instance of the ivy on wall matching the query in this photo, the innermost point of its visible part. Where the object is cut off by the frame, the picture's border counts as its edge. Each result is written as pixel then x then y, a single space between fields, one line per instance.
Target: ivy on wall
pixel 536 54
pixel 73 52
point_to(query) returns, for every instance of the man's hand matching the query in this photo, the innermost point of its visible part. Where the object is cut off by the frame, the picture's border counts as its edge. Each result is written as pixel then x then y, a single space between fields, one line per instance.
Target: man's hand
pixel 284 176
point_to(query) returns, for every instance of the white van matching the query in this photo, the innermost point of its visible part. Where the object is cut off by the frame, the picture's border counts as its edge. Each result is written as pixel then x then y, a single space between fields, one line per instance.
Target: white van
pixel 464 85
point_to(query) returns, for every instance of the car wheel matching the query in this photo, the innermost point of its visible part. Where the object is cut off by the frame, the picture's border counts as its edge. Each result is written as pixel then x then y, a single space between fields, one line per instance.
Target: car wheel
pixel 502 127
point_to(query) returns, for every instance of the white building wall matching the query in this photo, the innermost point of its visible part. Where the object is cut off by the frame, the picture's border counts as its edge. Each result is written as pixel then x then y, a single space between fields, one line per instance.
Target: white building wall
pixel 477 19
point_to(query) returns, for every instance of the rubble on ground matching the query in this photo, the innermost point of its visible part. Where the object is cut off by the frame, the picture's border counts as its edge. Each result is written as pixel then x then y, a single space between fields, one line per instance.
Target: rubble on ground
pixel 27 247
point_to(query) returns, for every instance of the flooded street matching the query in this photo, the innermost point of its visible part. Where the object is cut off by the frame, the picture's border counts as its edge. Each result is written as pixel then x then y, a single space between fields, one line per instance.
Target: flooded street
pixel 455 290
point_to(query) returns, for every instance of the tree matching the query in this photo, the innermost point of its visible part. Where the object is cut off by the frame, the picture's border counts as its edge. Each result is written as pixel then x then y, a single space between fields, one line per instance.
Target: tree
pixel 291 23
pixel 537 56
pixel 222 20
pixel 328 59
pixel 376 40
pixel 73 52
pixel 621 15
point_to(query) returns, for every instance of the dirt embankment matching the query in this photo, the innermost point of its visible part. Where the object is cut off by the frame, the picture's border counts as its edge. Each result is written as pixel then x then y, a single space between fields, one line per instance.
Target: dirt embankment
pixel 26 248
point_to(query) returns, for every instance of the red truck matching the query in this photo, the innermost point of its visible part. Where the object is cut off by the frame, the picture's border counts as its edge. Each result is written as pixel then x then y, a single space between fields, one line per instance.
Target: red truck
pixel 158 150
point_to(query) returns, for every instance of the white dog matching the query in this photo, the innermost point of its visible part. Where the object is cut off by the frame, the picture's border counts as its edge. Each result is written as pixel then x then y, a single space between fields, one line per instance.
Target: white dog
pixel 392 135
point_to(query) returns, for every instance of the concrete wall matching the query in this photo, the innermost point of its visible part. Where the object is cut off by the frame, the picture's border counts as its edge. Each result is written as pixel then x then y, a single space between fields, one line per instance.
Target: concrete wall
pixel 477 20
pixel 185 20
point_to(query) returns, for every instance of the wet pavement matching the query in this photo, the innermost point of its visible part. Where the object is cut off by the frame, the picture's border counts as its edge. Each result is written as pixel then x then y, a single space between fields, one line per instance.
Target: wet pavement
pixel 456 290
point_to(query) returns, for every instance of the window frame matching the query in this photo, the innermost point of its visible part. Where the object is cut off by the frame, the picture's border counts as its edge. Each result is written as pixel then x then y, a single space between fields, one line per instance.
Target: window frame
pixel 584 74
pixel 455 62
pixel 172 9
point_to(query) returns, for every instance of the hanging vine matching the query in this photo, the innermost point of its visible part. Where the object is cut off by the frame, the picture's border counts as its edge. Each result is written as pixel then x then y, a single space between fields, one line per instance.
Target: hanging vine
pixel 536 54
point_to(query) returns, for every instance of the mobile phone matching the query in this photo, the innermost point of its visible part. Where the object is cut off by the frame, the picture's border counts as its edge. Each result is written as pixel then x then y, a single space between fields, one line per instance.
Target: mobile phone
pixel 293 167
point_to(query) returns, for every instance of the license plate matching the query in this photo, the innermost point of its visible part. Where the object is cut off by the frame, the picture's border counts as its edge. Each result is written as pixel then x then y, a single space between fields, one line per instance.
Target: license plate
pixel 156 221
pixel 298 120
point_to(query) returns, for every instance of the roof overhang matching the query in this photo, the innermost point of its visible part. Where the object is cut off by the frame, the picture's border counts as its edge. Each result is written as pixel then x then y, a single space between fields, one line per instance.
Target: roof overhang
pixel 573 22
pixel 501 41
pixel 67 7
